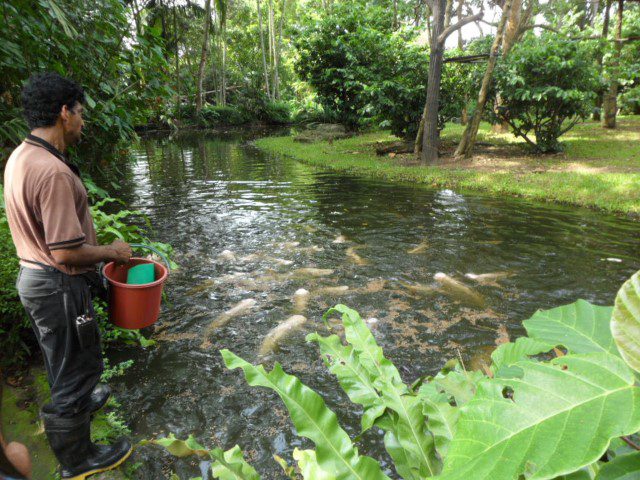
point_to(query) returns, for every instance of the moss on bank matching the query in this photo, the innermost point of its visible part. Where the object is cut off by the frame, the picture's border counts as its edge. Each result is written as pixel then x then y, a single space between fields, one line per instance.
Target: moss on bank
pixel 599 168
pixel 21 422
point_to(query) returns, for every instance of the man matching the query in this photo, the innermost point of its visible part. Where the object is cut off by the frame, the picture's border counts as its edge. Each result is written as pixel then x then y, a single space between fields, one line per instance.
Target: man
pixel 51 226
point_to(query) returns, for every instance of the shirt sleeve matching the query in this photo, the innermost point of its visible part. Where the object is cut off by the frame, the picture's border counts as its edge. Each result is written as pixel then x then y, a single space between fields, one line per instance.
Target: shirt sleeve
pixel 57 206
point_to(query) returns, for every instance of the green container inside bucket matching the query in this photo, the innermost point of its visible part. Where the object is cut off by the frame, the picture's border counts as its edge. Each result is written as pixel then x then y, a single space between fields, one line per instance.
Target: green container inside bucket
pixel 141 274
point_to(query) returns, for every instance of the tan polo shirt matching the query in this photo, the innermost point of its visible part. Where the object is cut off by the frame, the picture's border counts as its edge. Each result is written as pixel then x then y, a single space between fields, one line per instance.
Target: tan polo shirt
pixel 47 207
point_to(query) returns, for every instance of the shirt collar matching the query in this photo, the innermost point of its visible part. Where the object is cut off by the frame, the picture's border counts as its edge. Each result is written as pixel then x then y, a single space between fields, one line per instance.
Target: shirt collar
pixel 40 142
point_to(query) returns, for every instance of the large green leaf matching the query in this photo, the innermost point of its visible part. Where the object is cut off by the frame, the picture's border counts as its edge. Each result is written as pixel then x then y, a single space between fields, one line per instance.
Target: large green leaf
pixel 458 383
pixel 180 448
pixel 231 465
pixel 402 459
pixel 558 417
pixel 580 327
pixel 624 467
pixel 581 474
pixel 441 416
pixel 360 337
pixel 509 353
pixel 625 322
pixel 355 380
pixel 344 362
pixel 308 464
pixel 312 419
pixel 408 422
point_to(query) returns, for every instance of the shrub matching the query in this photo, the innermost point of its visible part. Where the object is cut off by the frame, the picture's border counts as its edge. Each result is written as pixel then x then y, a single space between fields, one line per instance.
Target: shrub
pixel 16 340
pixel 547 85
pixel 398 100
pixel 341 54
pixel 364 72
pixel 276 113
pixel 311 112
pixel 223 115
pixel 123 74
pixel 630 101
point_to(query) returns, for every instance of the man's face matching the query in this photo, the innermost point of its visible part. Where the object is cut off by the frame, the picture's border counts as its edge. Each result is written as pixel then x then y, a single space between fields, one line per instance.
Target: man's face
pixel 72 123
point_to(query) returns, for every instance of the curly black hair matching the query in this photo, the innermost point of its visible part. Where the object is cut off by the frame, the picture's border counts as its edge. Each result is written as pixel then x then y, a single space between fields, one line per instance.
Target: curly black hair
pixel 45 94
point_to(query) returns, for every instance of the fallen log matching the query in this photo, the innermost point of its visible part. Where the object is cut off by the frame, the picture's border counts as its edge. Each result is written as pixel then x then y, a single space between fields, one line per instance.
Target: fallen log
pixel 394 147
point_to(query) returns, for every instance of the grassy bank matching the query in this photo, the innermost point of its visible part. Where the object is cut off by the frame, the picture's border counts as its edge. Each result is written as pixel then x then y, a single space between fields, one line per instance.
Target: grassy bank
pixel 599 168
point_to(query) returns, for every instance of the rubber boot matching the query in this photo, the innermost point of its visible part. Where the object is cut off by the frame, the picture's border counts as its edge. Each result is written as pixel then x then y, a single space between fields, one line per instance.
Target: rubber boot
pixel 78 456
pixel 99 397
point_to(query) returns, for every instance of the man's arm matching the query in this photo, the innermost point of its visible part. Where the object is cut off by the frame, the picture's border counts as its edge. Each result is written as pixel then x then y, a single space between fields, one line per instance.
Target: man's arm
pixel 118 251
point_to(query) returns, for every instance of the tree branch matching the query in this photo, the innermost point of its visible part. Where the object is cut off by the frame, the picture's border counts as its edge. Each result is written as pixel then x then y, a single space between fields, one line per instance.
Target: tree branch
pixel 628 441
pixel 456 26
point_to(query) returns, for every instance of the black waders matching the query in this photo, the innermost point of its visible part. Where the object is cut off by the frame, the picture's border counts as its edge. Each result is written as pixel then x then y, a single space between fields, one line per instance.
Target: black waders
pixel 78 456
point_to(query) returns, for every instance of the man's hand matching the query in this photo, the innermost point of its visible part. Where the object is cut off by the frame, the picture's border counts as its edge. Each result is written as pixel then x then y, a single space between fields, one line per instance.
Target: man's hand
pixel 122 251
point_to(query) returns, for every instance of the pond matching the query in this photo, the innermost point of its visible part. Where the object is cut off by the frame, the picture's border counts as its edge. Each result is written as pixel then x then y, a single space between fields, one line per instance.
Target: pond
pixel 208 193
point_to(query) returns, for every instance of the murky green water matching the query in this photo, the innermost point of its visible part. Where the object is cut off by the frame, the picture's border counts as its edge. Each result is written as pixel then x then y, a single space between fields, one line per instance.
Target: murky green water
pixel 206 194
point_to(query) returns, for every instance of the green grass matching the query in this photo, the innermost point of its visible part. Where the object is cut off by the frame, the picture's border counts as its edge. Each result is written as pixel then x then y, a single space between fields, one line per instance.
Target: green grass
pixel 599 168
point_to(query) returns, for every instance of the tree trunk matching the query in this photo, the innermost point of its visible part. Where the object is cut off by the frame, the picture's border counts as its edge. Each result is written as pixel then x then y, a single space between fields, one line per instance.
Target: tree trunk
pixel 272 50
pixel 223 73
pixel 279 48
pixel 459 14
pixel 471 132
pixel 464 114
pixel 510 36
pixel 595 7
pixel 136 17
pixel 203 56
pixel 600 57
pixel 610 100
pixel 264 53
pixel 448 11
pixel 417 146
pixel 395 14
pixel 512 28
pixel 430 134
pixel 175 33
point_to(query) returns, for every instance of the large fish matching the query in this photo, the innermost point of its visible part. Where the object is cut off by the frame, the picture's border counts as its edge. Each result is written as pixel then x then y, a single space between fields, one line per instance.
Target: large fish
pixel 311 249
pixel 312 272
pixel 300 300
pixel 418 288
pixel 459 290
pixel 341 290
pixel 206 285
pixel 255 257
pixel 423 247
pixel 489 279
pixel 374 286
pixel 240 308
pixel 275 336
pixel 227 256
pixel 355 258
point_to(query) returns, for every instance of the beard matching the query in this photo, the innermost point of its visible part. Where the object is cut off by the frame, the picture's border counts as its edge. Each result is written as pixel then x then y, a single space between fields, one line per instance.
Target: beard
pixel 73 138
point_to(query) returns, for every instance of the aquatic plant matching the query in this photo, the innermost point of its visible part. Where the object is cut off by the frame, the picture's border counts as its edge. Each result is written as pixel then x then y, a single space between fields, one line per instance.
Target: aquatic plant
pixel 562 402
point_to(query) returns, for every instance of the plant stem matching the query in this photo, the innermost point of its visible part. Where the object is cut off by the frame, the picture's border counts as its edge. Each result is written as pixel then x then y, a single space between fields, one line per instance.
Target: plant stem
pixel 628 441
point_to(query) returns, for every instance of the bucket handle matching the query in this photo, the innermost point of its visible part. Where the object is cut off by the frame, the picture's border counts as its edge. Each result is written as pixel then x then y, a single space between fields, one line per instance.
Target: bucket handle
pixel 154 250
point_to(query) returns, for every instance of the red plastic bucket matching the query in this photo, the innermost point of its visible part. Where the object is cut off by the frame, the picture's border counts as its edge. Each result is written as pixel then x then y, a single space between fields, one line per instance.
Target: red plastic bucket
pixel 134 306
